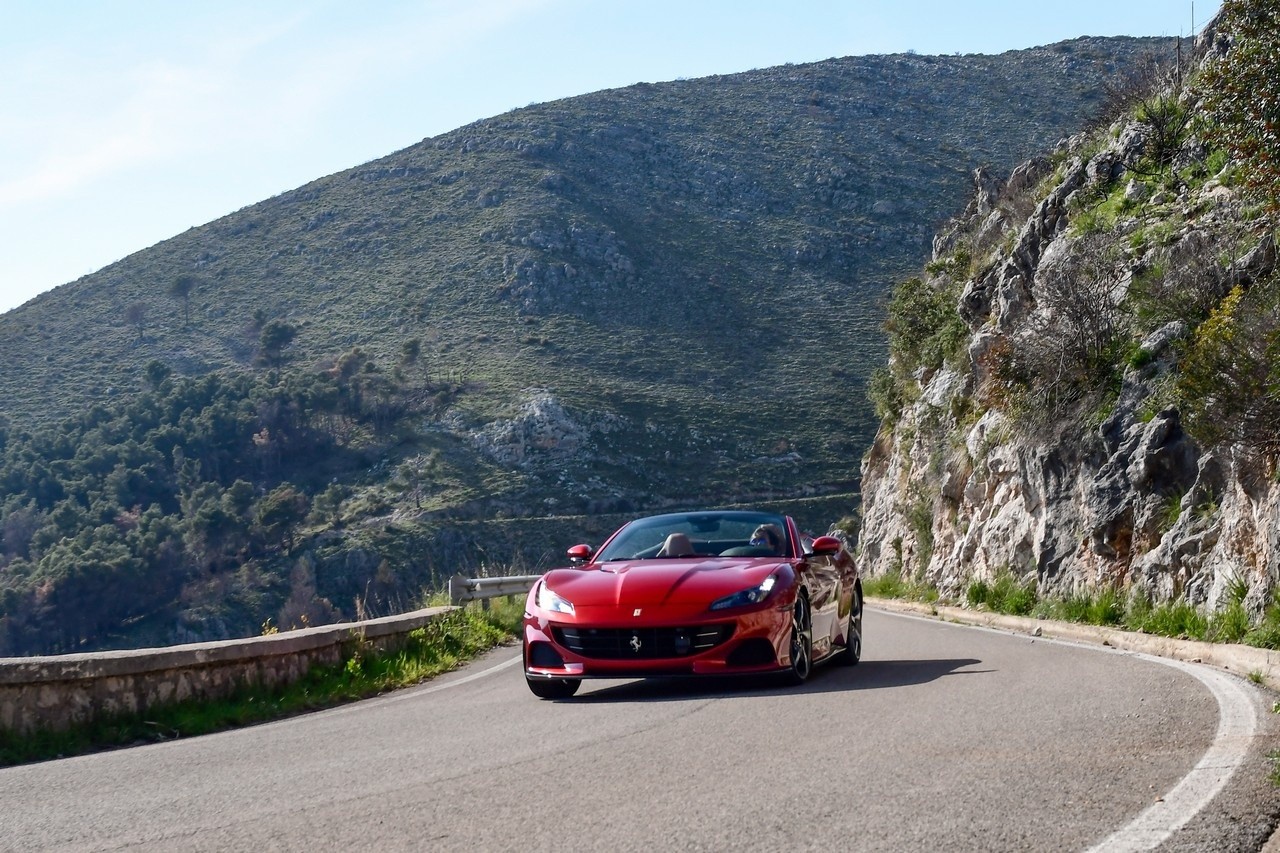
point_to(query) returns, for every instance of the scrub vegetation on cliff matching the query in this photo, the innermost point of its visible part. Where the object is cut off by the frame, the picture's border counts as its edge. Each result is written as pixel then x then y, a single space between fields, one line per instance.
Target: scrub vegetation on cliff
pixel 1082 402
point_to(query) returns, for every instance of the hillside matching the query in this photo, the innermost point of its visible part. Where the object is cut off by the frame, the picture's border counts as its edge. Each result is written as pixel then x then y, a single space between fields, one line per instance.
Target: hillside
pixel 653 295
pixel 1082 400
pixel 755 217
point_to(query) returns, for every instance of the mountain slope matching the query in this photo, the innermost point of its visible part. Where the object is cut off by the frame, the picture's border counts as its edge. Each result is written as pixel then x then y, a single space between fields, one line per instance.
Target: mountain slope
pixel 665 252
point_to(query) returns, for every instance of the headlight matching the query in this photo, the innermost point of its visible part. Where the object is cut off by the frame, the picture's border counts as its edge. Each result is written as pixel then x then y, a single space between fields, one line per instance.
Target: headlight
pixel 754 595
pixel 548 600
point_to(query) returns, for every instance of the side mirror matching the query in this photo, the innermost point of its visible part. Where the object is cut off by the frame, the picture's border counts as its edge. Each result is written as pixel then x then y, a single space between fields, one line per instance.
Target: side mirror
pixel 825 546
pixel 580 553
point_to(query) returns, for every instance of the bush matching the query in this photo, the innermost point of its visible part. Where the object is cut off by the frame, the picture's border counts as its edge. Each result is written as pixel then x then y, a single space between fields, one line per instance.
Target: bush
pixel 1266 634
pixel 885 394
pixel 1240 94
pixel 894 585
pixel 920 516
pixel 1005 595
pixel 1073 346
pixel 1229 386
pixel 1175 619
pixel 1229 625
pixel 1106 608
pixel 924 325
pixel 1167 122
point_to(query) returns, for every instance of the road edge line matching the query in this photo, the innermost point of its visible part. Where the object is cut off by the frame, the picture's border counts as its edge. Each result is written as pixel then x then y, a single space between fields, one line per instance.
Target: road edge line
pixel 1226 753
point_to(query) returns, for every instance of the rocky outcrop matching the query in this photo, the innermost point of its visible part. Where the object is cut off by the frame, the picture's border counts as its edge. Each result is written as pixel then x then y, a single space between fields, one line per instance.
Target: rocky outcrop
pixel 958 486
pixel 542 432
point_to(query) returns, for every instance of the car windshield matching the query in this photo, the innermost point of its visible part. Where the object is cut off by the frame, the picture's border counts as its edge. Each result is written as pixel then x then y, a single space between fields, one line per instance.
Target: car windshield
pixel 700 534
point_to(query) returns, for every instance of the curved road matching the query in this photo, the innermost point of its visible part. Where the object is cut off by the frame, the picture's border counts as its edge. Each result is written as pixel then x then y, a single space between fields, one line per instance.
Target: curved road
pixel 945 737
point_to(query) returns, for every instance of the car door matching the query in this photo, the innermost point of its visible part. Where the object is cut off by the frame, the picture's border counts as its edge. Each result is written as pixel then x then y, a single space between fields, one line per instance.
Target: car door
pixel 822 578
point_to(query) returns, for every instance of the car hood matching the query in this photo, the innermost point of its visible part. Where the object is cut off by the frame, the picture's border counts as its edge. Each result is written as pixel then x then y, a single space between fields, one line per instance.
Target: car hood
pixel 659 582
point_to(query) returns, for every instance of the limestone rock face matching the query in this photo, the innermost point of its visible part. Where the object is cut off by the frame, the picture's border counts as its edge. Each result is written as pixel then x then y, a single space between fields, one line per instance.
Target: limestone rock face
pixel 542 427
pixel 956 487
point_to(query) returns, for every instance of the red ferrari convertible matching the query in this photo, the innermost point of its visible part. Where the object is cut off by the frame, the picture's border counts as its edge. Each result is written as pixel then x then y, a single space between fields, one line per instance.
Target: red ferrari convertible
pixel 694 593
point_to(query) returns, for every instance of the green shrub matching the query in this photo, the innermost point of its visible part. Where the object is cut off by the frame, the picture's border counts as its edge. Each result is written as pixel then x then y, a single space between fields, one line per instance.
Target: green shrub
pixel 1175 619
pixel 894 585
pixel 924 327
pixel 920 517
pixel 885 394
pixel 1229 385
pixel 1104 608
pixel 1098 211
pixel 1266 634
pixel 958 266
pixel 978 592
pixel 1005 594
pixel 1171 511
pixel 1140 357
pixel 1014 598
pixel 1237 116
pixel 1216 163
pixel 1229 625
pixel 1167 121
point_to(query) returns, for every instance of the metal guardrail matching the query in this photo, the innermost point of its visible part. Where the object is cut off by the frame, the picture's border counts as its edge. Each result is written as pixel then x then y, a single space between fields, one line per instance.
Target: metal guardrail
pixel 463 589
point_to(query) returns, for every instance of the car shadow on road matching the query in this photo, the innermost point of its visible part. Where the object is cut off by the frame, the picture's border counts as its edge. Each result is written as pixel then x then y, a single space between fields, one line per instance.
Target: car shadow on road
pixel 868 675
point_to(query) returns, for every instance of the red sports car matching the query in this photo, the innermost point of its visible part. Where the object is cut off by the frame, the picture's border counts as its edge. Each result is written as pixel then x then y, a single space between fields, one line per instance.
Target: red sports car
pixel 694 593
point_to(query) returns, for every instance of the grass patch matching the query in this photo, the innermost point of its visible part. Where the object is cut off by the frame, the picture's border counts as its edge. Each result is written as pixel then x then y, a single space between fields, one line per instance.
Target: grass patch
pixel 1176 619
pixel 1266 634
pixel 1171 511
pixel 1105 608
pixel 1230 624
pixel 894 585
pixel 1108 607
pixel 1005 595
pixel 435 648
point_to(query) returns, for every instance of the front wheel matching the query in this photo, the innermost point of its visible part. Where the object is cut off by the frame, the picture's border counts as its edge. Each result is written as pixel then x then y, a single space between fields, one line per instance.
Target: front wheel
pixel 553 688
pixel 801 642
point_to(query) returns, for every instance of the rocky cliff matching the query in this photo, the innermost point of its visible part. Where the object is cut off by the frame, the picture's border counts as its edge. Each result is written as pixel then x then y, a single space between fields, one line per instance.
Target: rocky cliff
pixel 1050 439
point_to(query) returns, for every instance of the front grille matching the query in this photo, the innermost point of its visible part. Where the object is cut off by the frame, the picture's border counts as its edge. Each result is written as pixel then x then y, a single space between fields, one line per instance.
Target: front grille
pixel 642 643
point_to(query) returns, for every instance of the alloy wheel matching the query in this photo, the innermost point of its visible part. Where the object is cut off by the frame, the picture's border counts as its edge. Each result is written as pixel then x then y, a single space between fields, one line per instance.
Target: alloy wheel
pixel 801 641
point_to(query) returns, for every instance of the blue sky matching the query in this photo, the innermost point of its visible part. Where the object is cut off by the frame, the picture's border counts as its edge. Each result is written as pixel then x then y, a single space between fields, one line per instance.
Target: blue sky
pixel 123 123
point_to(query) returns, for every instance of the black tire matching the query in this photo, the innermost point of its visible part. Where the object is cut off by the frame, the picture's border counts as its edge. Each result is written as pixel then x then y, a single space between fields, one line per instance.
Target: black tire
pixel 852 652
pixel 801 642
pixel 553 688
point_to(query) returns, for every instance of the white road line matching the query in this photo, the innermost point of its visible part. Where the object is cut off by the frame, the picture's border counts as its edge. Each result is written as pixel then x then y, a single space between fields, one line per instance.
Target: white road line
pixel 1237 725
pixel 415 692
pixel 432 688
pixel 1237 722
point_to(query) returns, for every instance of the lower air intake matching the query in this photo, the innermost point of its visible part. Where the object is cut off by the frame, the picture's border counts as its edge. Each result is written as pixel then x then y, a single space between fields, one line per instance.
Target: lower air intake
pixel 642 643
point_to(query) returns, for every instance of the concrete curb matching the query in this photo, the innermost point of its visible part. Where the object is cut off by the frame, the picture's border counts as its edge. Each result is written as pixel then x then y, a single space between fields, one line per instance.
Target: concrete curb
pixel 1245 661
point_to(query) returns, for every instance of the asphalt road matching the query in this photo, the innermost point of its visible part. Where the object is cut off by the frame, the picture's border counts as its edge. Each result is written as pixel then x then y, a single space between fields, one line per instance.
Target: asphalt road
pixel 944 738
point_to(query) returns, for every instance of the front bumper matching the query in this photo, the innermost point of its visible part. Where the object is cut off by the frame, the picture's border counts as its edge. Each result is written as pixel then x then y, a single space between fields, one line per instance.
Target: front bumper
pixel 678 644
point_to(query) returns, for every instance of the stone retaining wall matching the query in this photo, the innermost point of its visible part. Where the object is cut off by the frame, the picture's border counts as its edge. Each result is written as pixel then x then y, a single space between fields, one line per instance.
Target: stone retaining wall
pixel 56 692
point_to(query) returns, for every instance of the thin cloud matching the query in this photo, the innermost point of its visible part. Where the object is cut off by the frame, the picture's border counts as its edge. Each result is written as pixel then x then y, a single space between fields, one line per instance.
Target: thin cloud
pixel 264 83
